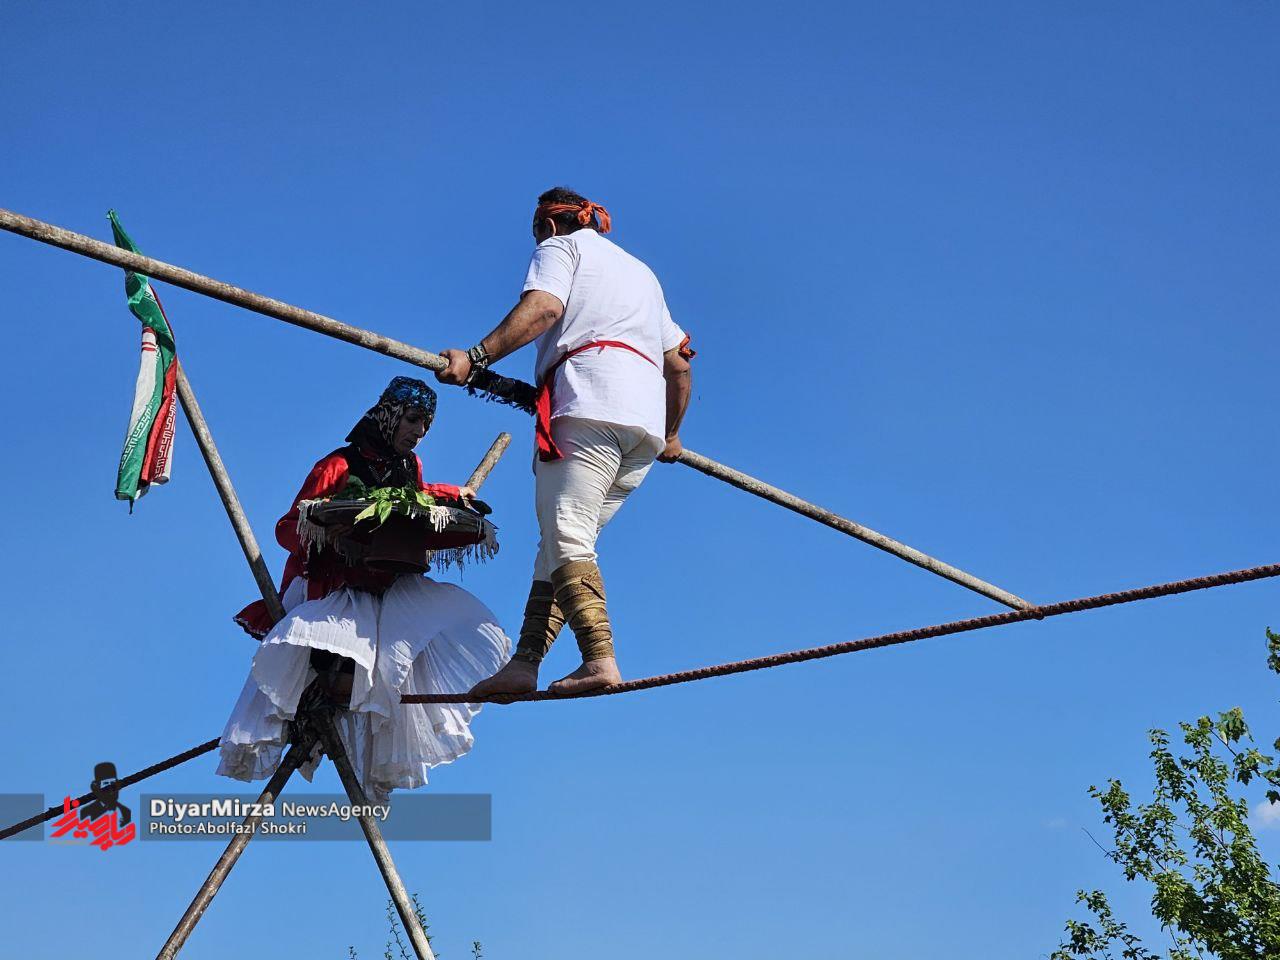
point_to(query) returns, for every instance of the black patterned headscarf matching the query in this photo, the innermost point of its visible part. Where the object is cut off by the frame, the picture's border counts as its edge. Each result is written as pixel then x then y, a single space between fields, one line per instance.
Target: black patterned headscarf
pixel 376 431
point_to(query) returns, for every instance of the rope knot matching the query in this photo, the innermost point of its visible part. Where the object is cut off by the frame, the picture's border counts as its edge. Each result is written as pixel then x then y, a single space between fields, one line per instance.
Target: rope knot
pixel 593 211
pixel 585 212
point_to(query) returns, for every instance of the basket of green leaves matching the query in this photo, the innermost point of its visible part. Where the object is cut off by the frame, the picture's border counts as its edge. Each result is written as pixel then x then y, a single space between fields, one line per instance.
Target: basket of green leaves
pixel 399 529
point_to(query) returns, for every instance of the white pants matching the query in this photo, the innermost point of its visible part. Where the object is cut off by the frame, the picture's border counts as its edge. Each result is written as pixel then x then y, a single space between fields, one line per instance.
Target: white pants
pixel 578 494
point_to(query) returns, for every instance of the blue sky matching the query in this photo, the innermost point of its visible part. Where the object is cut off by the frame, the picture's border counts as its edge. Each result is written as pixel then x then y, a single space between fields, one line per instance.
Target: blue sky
pixel 998 281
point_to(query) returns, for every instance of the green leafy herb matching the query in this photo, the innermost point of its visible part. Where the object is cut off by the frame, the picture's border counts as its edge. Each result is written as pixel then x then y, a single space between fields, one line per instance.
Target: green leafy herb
pixel 384 501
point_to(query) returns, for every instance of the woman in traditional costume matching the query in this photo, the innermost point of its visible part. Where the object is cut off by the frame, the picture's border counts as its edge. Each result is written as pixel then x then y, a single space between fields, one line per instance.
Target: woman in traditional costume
pixel 373 635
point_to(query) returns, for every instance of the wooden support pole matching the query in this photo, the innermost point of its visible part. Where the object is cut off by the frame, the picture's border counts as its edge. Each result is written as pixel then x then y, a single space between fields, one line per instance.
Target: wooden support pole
pixel 806 509
pixel 222 480
pixel 313 727
pixel 317 726
pixel 228 293
pixel 298 753
pixel 489 461
pixel 373 834
pixel 300 749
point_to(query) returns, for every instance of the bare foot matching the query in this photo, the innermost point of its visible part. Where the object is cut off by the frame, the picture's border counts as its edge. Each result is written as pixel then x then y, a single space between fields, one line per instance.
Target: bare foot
pixel 518 676
pixel 592 675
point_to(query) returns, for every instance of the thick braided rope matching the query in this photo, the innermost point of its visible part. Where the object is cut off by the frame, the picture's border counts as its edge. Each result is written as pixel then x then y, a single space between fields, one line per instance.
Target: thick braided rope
pixel 884 640
pixel 776 660
pixel 128 781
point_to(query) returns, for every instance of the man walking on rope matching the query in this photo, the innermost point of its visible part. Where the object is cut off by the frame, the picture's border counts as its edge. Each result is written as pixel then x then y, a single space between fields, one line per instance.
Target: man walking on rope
pixel 613 386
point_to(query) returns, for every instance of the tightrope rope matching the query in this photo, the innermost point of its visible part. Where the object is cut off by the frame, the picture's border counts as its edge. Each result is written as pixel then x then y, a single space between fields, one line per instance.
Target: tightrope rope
pixel 884 640
pixel 128 781
pixel 761 663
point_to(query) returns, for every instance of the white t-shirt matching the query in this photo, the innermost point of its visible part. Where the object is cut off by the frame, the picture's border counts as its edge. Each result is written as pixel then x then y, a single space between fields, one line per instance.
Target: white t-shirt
pixel 608 295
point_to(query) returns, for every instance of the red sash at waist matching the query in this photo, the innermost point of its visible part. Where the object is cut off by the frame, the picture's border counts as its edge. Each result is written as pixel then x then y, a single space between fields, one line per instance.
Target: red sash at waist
pixel 547 449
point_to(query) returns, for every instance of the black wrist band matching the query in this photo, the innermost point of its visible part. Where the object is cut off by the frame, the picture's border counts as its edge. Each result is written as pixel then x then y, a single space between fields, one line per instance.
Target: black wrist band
pixel 478 356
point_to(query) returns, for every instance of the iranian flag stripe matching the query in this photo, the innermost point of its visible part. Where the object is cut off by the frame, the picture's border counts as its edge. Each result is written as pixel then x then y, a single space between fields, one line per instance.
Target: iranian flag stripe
pixel 155 464
pixel 149 441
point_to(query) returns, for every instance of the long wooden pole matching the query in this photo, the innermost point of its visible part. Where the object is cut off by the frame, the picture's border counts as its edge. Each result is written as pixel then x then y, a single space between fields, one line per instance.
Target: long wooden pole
pixel 298 753
pixel 373 834
pixel 836 522
pixel 313 727
pixel 229 293
pixel 489 461
pixel 227 493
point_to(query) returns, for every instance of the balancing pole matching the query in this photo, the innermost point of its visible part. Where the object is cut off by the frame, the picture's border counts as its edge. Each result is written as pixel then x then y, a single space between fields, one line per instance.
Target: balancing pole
pixel 767 491
pixel 509 388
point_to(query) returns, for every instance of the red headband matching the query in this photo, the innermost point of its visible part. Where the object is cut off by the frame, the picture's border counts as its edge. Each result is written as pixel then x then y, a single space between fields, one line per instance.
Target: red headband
pixel 585 210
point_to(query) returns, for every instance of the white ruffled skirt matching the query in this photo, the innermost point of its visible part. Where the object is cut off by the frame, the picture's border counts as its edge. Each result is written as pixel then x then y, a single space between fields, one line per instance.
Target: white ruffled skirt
pixel 420 636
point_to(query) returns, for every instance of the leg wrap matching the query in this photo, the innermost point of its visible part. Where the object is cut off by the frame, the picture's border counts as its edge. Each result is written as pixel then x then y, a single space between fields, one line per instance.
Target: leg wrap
pixel 579 591
pixel 542 622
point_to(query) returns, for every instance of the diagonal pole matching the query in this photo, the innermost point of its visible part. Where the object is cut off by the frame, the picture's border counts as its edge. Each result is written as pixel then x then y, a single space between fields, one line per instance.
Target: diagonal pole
pixel 227 492
pixel 511 390
pixel 489 461
pixel 298 753
pixel 768 491
pixel 373 834
pixel 317 725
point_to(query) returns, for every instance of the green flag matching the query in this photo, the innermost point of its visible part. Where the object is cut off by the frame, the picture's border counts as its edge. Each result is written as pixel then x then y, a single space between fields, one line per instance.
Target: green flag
pixel 149 442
